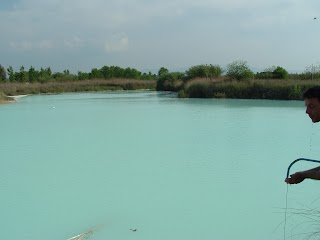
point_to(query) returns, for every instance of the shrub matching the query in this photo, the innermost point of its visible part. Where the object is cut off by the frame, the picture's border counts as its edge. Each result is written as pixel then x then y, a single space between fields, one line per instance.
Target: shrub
pixel 239 70
pixel 163 71
pixel 204 71
pixel 273 73
pixel 170 82
pixel 280 73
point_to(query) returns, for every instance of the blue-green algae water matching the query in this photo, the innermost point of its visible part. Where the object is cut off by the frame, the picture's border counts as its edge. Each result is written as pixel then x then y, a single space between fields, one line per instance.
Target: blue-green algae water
pixel 174 169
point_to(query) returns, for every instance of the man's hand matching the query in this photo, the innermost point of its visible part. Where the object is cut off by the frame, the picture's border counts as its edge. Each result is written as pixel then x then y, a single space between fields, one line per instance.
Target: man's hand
pixel 295 178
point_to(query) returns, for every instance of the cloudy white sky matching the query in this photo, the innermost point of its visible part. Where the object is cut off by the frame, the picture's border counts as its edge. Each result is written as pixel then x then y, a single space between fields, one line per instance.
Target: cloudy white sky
pixel 149 34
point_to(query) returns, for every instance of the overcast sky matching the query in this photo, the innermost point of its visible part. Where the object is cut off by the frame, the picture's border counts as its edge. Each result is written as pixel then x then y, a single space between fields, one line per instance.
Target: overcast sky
pixel 149 34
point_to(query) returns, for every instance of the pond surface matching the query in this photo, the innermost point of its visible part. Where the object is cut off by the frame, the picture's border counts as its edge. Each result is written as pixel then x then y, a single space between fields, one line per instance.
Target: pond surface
pixel 169 168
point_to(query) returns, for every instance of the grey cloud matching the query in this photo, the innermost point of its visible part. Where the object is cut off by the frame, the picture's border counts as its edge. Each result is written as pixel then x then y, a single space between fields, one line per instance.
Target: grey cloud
pixel 74 42
pixel 118 42
pixel 31 45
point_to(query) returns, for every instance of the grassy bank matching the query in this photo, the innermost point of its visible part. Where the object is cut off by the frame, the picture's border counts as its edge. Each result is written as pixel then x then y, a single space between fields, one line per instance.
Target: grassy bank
pixel 276 89
pixel 11 89
pixel 253 89
pixel 4 98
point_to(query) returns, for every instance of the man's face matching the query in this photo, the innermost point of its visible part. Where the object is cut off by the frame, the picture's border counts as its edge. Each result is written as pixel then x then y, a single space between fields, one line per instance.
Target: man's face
pixel 313 109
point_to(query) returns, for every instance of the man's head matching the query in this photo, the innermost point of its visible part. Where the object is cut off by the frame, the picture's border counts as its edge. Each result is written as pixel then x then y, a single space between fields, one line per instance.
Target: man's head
pixel 312 103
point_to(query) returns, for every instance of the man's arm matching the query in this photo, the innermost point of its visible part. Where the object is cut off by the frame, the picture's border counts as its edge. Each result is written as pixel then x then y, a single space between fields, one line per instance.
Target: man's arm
pixel 298 177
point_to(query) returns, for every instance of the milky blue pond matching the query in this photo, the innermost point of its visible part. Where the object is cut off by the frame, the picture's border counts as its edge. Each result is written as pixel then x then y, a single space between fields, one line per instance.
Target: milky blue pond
pixel 174 169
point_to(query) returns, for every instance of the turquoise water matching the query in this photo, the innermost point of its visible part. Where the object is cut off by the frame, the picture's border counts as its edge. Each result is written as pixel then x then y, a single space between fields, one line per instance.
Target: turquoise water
pixel 174 169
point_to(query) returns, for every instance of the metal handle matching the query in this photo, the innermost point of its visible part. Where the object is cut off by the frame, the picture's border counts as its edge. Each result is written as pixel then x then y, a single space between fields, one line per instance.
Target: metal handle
pixel 300 159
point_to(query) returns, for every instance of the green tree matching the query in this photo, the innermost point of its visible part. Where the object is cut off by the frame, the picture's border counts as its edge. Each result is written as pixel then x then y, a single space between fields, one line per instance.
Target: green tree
pixel 95 74
pixel 48 71
pixel 117 72
pixel 214 71
pixel 199 71
pixel 23 75
pixel 204 71
pixel 170 81
pixel 148 76
pixel 83 75
pixel 3 74
pixel 32 75
pixel 44 75
pixel 105 72
pixel 131 73
pixel 280 73
pixel 58 76
pixel 239 70
pixel 163 71
pixel 11 74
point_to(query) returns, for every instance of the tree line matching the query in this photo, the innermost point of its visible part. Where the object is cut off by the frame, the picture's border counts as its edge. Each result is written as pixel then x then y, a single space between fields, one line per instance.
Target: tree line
pixel 237 80
pixel 44 75
pixel 238 70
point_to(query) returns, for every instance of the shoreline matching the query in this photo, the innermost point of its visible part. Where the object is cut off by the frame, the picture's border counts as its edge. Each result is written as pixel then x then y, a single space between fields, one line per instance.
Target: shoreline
pixel 11 99
pixel 17 96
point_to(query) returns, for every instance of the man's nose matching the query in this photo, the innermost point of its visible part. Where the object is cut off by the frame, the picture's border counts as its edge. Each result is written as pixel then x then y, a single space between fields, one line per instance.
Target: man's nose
pixel 307 111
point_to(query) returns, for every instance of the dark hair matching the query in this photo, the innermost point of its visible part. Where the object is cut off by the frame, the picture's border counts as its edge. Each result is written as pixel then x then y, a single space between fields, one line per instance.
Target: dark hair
pixel 313 92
